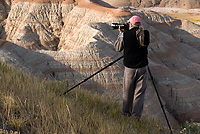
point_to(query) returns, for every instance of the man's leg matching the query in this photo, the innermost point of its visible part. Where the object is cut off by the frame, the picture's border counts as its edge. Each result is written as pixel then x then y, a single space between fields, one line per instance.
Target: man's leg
pixel 141 85
pixel 128 90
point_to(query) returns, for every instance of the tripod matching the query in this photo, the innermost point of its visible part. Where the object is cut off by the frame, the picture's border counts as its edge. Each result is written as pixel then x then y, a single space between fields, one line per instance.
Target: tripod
pixel 152 79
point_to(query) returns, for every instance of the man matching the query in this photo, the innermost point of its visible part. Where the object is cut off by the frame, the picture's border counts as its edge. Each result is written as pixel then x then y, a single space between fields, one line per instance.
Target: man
pixel 134 43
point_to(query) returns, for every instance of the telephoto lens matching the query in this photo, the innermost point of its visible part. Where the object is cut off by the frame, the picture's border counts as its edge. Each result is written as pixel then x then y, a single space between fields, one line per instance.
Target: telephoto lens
pixel 124 26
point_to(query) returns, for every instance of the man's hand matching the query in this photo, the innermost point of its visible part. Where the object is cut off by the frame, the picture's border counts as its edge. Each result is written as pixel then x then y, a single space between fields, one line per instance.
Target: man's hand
pixel 121 30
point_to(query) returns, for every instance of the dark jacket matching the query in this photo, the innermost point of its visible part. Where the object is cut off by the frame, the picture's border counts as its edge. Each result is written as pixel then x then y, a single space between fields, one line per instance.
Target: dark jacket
pixel 135 56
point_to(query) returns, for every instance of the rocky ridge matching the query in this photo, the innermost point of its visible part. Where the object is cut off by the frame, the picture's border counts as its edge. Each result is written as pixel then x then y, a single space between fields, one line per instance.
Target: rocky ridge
pixel 68 40
pixel 187 4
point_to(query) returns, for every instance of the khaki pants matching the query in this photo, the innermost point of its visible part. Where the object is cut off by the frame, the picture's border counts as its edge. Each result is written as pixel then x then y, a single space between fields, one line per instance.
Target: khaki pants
pixel 135 84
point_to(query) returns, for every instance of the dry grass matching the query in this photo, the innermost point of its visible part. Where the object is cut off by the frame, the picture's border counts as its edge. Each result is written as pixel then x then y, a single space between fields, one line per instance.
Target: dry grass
pixel 34 105
pixel 193 17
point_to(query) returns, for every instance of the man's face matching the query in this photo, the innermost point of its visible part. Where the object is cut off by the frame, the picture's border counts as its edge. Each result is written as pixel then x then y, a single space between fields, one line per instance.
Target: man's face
pixel 130 26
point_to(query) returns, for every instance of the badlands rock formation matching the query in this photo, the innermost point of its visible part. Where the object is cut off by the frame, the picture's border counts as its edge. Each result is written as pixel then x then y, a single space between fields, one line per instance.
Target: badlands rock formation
pixel 69 40
pixel 150 3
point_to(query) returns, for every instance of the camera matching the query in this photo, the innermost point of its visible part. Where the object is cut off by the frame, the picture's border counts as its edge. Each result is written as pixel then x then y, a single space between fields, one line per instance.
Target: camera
pixel 124 26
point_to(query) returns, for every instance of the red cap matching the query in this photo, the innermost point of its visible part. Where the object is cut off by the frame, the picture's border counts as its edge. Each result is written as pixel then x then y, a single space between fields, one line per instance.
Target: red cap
pixel 136 20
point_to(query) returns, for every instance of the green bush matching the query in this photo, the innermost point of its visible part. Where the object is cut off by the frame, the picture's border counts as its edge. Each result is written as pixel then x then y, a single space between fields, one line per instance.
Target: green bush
pixel 190 128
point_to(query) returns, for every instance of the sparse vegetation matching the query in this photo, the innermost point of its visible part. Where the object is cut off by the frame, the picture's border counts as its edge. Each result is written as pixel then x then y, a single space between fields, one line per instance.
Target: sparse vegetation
pixel 190 128
pixel 34 105
pixel 193 17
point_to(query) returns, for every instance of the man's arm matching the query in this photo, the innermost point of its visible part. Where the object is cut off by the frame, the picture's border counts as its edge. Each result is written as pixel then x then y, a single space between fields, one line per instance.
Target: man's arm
pixel 119 43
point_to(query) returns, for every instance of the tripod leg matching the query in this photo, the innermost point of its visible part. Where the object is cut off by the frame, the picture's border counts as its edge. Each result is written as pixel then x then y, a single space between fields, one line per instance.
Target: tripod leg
pixel 159 99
